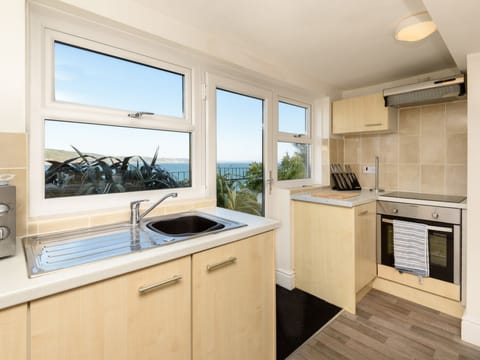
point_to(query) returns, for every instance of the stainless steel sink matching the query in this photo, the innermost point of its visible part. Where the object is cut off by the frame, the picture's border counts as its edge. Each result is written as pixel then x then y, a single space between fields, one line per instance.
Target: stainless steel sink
pixel 45 253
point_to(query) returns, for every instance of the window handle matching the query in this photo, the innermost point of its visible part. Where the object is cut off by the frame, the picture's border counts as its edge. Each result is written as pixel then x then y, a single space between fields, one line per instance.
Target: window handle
pixel 138 115
pixel 298 135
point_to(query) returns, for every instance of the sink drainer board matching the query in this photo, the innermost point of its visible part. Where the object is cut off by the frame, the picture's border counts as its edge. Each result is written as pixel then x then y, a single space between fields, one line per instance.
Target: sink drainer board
pixel 335 195
pixel 50 252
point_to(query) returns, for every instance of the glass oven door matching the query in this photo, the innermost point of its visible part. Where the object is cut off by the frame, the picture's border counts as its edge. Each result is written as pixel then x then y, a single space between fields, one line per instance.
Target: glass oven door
pixel 442 240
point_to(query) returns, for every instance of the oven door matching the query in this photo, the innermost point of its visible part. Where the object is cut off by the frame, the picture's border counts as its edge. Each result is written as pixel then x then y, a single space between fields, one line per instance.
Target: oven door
pixel 443 245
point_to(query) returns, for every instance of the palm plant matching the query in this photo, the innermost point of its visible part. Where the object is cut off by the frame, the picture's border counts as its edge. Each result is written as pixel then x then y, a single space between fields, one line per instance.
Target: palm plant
pixel 86 174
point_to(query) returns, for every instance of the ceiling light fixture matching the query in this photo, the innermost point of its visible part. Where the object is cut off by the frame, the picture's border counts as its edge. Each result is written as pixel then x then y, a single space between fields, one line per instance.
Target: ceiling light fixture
pixel 415 28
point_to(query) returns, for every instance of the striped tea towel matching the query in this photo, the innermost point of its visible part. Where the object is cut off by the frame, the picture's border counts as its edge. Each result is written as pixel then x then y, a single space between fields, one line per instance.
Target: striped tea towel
pixel 410 247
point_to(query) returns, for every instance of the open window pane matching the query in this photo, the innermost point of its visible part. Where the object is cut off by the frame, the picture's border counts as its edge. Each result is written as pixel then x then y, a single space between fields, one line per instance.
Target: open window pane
pixel 292 118
pixel 293 161
pixel 240 184
pixel 91 78
pixel 88 159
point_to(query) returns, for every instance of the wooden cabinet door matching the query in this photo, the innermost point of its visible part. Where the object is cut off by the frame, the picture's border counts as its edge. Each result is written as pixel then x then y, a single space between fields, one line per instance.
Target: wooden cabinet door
pixel 112 319
pixel 365 245
pixel 13 333
pixel 375 114
pixel 347 115
pixel 234 301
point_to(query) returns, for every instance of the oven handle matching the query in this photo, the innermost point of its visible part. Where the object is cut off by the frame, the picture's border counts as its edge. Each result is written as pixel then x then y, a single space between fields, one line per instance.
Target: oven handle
pixel 433 228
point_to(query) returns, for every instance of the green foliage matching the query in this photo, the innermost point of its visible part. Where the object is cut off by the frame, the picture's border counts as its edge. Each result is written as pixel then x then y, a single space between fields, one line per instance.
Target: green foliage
pixel 254 177
pixel 88 174
pixel 292 167
pixel 231 194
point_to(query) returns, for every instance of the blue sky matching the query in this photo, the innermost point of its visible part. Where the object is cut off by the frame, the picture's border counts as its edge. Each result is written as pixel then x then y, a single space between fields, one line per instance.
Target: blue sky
pixel 89 78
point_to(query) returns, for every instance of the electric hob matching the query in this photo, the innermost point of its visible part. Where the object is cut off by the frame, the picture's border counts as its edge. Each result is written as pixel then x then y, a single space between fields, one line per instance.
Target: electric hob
pixel 427 197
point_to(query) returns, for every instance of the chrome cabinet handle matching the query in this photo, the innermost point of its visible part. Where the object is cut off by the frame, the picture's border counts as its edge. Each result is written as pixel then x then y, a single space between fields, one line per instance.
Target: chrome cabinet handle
pixel 374 124
pixel 145 289
pixel 229 261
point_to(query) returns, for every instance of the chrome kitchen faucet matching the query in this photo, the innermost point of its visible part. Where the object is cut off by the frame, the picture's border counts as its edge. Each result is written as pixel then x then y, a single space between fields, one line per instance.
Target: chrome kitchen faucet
pixel 135 217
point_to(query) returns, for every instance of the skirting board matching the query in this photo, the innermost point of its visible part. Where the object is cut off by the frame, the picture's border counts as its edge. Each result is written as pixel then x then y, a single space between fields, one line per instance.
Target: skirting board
pixel 285 279
pixel 471 330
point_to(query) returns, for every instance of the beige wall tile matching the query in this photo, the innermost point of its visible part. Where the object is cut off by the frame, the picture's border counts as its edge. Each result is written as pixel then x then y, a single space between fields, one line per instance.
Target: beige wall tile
pixel 352 150
pixel 111 218
pixel 457 117
pixel 432 149
pixel 340 151
pixel 55 225
pixel 408 150
pixel 369 148
pixel 32 229
pixel 330 151
pixel 433 120
pixel 13 150
pixel 409 121
pixel 388 150
pixel 409 177
pixel 457 149
pixel 433 179
pixel 388 176
pixel 456 180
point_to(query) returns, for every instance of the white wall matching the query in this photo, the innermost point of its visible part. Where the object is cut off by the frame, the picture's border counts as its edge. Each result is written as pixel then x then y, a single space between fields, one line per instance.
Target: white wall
pixel 471 319
pixel 12 66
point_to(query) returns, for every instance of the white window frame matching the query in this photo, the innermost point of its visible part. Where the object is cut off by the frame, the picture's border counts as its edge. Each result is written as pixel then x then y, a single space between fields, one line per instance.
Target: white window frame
pixel 44 30
pixel 295 139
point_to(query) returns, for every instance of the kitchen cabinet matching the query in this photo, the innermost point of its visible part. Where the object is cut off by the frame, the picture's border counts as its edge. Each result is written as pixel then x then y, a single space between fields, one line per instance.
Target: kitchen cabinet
pixel 335 251
pixel 363 114
pixel 234 301
pixel 13 333
pixel 118 318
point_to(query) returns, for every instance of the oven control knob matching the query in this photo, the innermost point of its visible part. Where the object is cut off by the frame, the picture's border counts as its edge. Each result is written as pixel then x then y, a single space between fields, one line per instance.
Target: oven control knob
pixel 435 215
pixel 395 211
pixel 4 209
pixel 4 232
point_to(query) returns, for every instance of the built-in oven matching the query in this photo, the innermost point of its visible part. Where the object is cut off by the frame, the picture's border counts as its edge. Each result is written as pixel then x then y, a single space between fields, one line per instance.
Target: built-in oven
pixel 444 236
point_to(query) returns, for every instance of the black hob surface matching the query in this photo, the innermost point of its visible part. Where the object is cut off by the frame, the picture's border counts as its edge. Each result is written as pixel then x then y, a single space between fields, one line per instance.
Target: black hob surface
pixel 428 197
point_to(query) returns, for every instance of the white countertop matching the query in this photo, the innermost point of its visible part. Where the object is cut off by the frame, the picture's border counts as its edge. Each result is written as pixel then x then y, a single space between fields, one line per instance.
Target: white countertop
pixel 364 197
pixel 16 287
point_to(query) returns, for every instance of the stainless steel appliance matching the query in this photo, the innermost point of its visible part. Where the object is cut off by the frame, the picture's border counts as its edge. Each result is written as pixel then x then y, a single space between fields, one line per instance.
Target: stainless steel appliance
pixel 7 221
pixel 444 231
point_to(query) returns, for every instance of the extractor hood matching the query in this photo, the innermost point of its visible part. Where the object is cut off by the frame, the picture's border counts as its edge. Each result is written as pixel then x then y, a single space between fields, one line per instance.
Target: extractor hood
pixel 428 92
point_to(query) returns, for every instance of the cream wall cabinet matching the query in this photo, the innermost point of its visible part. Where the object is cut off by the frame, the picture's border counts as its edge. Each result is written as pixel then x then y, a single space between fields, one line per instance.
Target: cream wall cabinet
pixel 112 319
pixel 13 333
pixel 335 252
pixel 363 114
pixel 234 301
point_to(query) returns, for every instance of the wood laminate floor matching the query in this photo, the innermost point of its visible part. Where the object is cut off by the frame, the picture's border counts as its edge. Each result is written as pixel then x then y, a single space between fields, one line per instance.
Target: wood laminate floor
pixel 387 327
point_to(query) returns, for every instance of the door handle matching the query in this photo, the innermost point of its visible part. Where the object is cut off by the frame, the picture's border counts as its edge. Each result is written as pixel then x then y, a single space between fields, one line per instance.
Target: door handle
pixel 216 266
pixel 145 289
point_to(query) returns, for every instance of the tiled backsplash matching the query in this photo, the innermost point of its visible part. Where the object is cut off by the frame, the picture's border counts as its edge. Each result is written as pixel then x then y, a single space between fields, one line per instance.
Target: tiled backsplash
pixel 14 160
pixel 427 154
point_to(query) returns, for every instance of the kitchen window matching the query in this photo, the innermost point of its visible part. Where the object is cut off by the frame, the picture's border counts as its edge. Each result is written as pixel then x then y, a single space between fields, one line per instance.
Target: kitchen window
pixel 293 141
pixel 109 122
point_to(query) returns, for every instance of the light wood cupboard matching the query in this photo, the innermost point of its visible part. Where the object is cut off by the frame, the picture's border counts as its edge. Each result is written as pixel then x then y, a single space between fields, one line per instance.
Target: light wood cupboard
pixel 112 319
pixel 13 333
pixel 335 251
pixel 363 114
pixel 234 301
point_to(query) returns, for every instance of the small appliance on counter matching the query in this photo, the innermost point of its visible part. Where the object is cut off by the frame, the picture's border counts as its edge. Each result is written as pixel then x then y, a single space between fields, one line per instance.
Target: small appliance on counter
pixel 343 178
pixel 7 221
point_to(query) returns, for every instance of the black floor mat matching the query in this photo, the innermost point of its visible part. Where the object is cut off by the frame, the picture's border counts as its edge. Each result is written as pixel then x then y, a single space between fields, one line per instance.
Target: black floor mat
pixel 299 316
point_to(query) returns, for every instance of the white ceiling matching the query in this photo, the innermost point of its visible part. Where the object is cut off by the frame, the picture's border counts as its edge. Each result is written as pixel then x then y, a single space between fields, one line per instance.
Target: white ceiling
pixel 343 43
